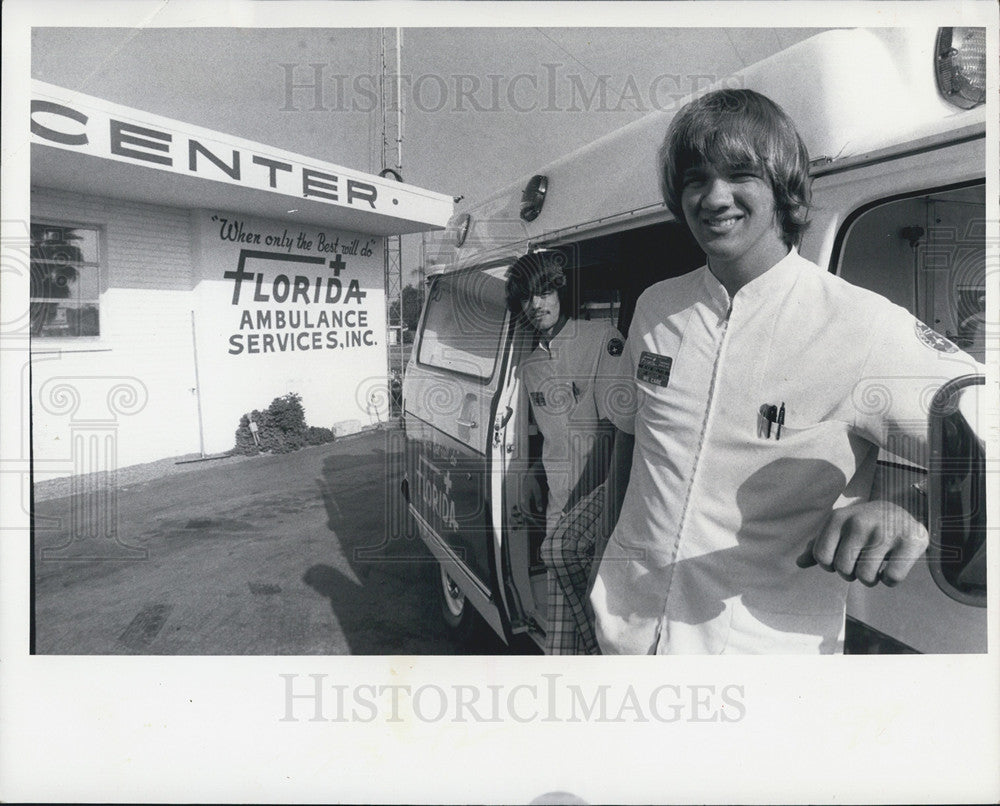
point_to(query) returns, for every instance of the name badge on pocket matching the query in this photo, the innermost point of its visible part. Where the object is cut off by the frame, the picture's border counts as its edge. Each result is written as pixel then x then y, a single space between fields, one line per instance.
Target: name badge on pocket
pixel 654 368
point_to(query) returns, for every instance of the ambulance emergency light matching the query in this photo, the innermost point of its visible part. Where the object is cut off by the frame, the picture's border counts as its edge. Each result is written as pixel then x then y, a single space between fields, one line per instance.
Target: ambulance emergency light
pixel 461 228
pixel 960 65
pixel 533 197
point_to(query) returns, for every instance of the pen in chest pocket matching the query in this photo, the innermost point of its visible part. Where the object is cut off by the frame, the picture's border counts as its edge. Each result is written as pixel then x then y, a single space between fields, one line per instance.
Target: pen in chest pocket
pixel 770 417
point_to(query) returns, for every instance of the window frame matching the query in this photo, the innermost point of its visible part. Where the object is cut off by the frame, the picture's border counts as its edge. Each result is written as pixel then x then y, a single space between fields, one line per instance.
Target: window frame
pixel 845 227
pixel 98 266
pixel 920 302
pixel 505 324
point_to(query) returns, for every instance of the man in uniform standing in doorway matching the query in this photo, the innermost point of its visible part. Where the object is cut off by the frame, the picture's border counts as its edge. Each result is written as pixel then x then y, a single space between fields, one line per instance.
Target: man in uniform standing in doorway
pixel 559 377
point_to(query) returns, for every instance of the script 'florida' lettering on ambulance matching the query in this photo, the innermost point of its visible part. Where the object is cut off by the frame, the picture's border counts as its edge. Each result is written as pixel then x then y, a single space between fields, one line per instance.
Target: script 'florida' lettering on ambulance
pixel 437 499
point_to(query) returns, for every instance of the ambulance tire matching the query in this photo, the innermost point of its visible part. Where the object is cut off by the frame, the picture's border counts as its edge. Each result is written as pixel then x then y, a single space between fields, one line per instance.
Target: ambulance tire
pixel 459 616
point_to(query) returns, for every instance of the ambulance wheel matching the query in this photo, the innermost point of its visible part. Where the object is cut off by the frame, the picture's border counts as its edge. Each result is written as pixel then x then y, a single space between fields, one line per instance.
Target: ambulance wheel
pixel 459 616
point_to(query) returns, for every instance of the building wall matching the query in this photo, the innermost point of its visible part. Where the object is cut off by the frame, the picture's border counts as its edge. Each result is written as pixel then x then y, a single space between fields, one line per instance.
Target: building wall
pixel 168 316
pixel 144 350
pixel 263 340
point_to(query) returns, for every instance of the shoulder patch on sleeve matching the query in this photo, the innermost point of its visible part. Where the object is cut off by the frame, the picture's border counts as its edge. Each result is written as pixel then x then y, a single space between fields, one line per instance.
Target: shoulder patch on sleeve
pixel 615 346
pixel 932 339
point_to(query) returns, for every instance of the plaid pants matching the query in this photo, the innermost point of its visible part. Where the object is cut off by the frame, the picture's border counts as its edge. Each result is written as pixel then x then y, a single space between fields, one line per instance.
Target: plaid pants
pixel 568 553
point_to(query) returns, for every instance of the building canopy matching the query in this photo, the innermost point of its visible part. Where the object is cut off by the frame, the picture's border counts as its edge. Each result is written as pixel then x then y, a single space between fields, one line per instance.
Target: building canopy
pixel 88 145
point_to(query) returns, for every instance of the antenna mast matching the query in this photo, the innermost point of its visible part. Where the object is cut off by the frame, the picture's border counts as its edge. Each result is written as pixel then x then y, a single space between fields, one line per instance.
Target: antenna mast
pixel 390 84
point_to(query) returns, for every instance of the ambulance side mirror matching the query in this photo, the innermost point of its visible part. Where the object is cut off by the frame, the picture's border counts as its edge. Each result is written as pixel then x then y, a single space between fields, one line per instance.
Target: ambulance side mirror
pixel 957 496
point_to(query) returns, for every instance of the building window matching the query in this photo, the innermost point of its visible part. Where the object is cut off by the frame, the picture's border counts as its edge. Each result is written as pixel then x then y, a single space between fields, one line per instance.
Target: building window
pixel 65 280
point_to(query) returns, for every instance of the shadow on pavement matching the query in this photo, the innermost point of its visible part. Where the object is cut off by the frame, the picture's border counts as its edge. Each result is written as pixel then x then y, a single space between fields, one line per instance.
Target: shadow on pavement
pixel 386 599
pixel 309 553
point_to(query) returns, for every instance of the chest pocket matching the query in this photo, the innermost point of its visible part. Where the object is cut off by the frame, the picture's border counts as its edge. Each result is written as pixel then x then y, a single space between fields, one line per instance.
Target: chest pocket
pixel 788 430
pixel 556 397
pixel 799 475
pixel 826 440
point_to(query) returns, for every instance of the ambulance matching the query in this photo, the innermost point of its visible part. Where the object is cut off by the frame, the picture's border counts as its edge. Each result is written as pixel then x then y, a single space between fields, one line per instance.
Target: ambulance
pixel 895 124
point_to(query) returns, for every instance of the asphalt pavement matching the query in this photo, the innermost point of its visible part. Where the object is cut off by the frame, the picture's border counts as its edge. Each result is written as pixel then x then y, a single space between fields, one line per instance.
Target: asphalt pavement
pixel 307 553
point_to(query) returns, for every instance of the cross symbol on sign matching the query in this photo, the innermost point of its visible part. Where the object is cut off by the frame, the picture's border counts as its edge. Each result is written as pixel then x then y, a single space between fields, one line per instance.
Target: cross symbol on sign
pixel 337 264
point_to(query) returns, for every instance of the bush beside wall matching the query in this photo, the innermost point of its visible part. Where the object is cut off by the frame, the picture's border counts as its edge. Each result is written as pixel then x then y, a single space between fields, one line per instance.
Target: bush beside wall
pixel 281 428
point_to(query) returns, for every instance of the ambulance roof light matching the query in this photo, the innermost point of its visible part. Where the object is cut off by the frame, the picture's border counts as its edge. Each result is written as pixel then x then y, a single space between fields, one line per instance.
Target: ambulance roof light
pixel 461 228
pixel 533 197
pixel 960 65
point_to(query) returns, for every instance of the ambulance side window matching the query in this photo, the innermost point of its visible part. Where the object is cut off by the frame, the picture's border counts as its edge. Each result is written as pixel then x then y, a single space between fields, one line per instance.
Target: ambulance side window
pixel 927 253
pixel 464 323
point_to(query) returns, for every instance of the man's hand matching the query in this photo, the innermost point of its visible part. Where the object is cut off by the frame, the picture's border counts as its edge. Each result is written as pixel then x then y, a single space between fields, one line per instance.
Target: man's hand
pixel 872 541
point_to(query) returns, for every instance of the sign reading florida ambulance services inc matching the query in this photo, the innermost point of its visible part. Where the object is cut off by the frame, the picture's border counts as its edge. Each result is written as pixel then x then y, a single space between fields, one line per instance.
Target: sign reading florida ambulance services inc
pixel 301 300
pixel 285 308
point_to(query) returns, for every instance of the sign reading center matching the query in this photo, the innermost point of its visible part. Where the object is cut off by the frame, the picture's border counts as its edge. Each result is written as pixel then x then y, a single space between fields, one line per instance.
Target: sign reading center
pixel 71 121
pixel 158 147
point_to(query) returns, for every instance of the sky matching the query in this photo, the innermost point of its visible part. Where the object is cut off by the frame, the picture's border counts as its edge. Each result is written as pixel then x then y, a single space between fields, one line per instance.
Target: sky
pixel 481 106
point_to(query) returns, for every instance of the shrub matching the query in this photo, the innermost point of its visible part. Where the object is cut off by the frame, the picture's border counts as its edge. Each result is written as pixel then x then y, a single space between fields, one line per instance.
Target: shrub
pixel 281 428
pixel 286 414
pixel 319 436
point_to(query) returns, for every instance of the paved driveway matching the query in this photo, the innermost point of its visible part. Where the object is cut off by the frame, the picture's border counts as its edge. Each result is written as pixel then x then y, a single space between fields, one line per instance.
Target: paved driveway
pixel 303 553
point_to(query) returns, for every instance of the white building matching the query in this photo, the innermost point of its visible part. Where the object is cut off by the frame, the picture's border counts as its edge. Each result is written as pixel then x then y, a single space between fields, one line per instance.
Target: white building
pixel 182 277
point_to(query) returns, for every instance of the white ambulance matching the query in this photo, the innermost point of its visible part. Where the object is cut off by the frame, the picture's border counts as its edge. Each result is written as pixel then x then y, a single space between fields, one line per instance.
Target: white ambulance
pixel 895 124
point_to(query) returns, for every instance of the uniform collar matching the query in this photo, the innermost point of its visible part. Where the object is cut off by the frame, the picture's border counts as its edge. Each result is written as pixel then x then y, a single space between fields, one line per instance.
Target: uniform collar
pixel 765 286
pixel 560 335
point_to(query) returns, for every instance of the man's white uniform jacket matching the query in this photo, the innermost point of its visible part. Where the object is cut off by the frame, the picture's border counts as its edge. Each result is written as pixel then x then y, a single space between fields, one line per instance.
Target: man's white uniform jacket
pixel 702 559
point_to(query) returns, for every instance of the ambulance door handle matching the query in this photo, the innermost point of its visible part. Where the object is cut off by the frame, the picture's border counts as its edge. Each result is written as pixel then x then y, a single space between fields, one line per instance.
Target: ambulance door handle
pixel 467 418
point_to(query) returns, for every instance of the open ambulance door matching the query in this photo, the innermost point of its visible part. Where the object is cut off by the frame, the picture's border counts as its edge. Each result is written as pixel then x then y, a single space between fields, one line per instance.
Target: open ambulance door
pixel 454 442
pixel 923 248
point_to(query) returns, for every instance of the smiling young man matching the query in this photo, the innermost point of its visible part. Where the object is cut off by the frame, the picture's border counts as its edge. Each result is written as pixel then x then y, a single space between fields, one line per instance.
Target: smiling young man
pixel 559 377
pixel 763 388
